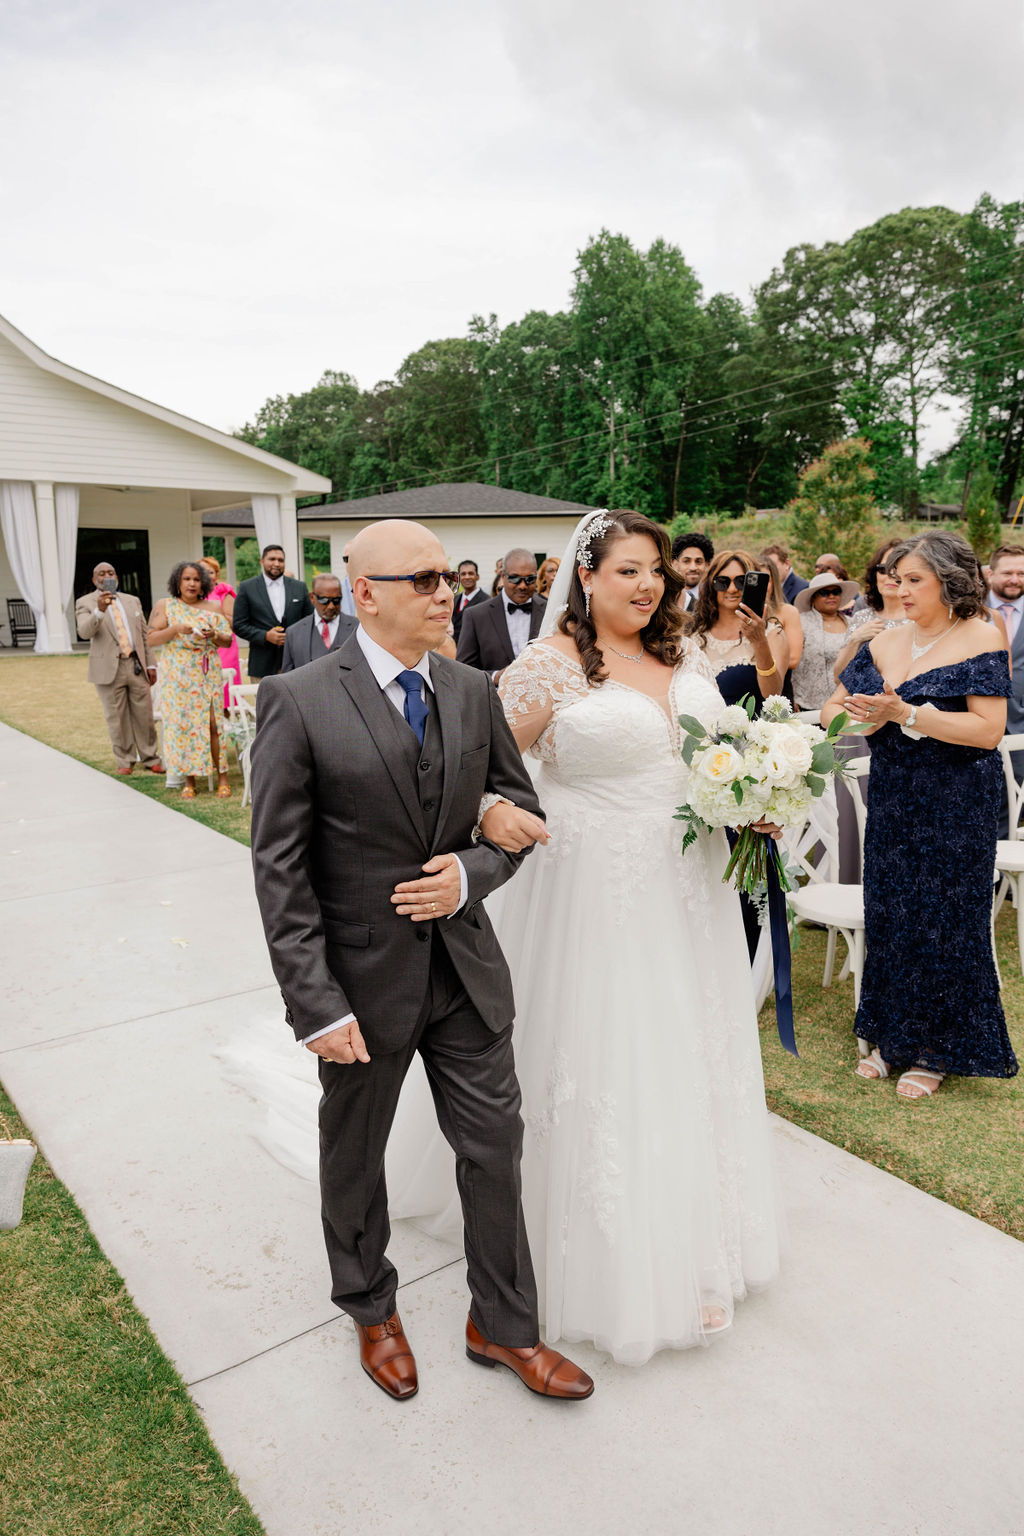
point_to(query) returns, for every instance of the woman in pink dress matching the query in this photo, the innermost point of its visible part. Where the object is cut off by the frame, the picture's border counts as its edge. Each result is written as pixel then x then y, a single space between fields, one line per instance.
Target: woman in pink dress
pixel 225 596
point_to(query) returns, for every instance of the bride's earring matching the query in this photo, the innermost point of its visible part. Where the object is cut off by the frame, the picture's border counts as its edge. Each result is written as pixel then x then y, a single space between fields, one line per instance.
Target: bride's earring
pixel 951 611
pixel 586 600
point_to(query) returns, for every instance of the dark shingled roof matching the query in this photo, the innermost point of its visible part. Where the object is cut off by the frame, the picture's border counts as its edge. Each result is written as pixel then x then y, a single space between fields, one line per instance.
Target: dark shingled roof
pixel 421 502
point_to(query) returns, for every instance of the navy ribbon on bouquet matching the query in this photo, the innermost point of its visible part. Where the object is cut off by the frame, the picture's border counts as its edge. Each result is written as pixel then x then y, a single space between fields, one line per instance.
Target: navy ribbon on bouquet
pixel 778 927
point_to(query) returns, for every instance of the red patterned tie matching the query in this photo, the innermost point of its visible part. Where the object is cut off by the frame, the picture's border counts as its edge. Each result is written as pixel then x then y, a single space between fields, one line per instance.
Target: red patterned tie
pixel 325 635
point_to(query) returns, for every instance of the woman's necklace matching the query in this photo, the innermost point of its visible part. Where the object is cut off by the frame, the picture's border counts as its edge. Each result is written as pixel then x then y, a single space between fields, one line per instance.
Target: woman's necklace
pixel 637 659
pixel 917 651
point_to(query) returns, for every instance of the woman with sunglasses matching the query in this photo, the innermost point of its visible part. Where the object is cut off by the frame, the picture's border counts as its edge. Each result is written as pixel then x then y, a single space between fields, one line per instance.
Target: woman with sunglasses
pixel 825 629
pixel 748 654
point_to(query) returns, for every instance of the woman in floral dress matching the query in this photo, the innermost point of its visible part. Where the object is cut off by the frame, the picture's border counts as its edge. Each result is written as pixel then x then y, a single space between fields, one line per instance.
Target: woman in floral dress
pixel 191 632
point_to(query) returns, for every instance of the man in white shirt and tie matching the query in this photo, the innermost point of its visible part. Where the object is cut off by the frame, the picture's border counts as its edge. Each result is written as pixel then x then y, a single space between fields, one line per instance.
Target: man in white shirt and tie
pixel 325 629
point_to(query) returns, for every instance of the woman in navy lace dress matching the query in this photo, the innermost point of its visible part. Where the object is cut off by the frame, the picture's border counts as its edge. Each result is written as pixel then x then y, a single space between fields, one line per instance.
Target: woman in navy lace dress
pixel 932 694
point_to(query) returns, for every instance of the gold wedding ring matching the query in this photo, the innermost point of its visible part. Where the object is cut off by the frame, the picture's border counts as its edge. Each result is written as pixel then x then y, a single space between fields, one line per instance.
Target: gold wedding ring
pixel 433 906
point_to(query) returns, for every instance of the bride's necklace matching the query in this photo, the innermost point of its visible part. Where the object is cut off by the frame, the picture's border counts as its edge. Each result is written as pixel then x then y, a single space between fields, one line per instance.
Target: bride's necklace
pixel 625 657
pixel 917 651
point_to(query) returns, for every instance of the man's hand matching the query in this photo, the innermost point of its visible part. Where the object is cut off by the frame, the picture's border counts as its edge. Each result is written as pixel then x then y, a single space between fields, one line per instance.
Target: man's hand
pixel 275 636
pixel 343 1045
pixel 104 601
pixel 151 676
pixel 436 896
pixel 512 828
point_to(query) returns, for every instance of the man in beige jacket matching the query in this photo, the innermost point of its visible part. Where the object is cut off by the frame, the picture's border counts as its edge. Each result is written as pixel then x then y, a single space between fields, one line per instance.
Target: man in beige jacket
pixel 121 668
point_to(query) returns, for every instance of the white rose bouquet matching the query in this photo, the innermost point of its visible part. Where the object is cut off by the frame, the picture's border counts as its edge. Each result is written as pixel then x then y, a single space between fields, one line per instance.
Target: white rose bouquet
pixel 744 770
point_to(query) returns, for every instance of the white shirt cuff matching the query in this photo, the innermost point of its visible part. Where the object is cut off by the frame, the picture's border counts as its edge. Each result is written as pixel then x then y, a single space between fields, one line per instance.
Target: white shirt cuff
pixel 338 1023
pixel 463 885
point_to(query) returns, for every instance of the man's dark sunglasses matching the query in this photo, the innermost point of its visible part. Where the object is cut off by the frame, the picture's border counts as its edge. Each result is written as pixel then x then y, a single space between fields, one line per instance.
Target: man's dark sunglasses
pixel 424 582
pixel 520 581
pixel 328 602
pixel 723 583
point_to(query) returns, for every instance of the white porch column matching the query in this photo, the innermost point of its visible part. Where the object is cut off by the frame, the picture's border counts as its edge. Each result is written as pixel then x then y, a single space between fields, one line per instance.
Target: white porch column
pixel 339 538
pixel 46 521
pixel 290 537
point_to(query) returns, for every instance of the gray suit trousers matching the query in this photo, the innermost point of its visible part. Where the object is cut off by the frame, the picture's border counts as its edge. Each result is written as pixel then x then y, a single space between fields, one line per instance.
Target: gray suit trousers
pixel 472 1077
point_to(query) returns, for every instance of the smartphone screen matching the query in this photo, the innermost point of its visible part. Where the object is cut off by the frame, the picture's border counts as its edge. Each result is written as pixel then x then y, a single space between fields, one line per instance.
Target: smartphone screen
pixel 755 591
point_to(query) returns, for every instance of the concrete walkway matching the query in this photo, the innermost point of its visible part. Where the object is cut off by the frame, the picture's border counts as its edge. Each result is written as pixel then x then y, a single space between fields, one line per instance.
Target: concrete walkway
pixel 877 1388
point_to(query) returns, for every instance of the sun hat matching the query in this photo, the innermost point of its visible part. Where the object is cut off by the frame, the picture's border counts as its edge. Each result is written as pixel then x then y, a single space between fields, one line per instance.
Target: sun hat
pixel 823 581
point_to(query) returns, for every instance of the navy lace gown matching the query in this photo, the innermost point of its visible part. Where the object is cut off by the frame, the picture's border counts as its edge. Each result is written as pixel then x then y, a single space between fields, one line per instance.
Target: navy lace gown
pixel 929 995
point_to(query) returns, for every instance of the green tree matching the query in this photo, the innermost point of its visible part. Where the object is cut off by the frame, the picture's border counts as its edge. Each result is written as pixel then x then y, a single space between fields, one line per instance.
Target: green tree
pixel 314 429
pixel 982 514
pixel 834 508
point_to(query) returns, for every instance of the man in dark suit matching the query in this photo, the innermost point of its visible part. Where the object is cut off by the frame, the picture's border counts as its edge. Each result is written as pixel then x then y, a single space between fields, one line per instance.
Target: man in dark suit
pixel 495 632
pixel 265 609
pixel 325 630
pixel 791 582
pixel 469 594
pixel 370 887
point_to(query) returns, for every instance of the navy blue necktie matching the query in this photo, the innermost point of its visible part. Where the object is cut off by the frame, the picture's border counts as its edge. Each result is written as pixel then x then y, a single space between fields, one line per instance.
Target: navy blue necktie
pixel 416 711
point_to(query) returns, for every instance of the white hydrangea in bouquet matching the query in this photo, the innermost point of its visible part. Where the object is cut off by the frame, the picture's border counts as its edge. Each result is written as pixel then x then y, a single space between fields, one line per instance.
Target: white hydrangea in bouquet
pixel 745 770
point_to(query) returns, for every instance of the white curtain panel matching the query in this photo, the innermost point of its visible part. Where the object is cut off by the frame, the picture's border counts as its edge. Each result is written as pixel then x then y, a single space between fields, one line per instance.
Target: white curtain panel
pixel 266 514
pixel 21 537
pixel 65 499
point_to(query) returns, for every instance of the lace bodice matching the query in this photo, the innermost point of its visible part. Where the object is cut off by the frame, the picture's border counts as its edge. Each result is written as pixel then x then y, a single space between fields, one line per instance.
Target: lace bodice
pixel 612 731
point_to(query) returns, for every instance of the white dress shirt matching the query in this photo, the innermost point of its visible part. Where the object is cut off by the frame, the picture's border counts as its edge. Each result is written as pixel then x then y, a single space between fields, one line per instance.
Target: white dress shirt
pixel 332 628
pixel 275 591
pixel 518 626
pixel 385 669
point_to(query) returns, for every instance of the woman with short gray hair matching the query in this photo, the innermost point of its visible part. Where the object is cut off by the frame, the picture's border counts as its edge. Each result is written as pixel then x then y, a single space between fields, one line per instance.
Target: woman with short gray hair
pixel 931 696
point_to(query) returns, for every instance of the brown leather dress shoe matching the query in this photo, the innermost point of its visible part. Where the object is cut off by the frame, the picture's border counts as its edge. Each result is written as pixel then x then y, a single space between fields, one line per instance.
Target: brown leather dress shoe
pixel 124 772
pixel 541 1368
pixel 155 768
pixel 387 1359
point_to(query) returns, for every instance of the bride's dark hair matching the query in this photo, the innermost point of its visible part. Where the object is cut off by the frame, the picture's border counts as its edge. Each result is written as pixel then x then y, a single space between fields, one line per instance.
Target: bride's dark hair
pixel 661 636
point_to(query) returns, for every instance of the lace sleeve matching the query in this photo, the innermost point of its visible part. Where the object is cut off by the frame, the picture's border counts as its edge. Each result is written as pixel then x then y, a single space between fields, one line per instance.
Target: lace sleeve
pixel 693 658
pixel 532 690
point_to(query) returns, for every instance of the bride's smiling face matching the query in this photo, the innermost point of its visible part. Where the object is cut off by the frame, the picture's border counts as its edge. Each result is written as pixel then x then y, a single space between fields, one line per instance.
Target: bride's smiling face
pixel 627 586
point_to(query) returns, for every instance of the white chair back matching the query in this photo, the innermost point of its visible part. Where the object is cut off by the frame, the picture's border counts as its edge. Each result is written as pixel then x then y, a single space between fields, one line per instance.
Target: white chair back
pixel 242 710
pixel 1014 791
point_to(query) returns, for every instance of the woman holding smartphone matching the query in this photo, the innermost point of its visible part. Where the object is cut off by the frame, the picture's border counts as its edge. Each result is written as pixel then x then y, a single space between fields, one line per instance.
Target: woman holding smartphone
pixel 748 653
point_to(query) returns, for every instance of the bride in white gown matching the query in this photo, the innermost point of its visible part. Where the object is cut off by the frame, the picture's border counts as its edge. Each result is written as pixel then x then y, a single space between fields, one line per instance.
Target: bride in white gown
pixel 647 1169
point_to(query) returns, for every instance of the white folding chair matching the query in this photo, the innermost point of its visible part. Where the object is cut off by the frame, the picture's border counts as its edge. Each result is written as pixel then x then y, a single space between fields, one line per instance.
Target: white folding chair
pixel 839 908
pixel 1010 849
pixel 242 713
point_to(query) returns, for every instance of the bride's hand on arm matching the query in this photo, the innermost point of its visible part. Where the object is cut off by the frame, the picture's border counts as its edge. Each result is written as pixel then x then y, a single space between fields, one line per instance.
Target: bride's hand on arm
pixel 512 827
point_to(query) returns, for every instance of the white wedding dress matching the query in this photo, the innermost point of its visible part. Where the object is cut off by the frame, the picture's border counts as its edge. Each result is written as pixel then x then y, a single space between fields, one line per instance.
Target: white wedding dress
pixel 647 1170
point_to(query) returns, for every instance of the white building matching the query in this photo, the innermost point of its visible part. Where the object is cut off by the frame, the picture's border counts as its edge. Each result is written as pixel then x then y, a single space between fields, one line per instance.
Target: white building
pixel 473 521
pixel 89 472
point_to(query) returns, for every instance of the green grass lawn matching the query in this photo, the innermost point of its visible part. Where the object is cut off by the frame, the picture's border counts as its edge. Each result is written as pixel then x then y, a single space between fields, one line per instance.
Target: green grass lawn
pixel 98 1435
pixel 101 1428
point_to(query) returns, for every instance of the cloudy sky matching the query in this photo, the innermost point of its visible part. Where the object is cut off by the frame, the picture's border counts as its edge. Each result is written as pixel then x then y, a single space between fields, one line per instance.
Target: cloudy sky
pixel 209 202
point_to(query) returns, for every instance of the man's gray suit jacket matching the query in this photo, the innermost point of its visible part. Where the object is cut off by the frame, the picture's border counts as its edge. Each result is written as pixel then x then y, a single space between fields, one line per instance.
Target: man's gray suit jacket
pixel 303 642
pixel 1015 704
pixel 334 829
